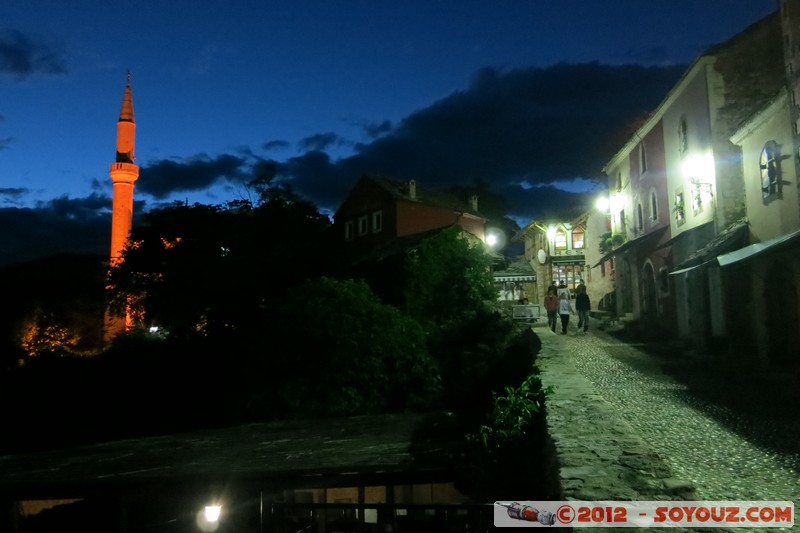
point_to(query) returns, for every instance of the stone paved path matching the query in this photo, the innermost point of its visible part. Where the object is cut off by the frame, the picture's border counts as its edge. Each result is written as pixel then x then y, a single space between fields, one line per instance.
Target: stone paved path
pixel 635 425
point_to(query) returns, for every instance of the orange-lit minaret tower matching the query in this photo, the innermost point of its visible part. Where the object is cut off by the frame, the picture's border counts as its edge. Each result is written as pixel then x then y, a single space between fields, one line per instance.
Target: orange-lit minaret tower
pixel 123 173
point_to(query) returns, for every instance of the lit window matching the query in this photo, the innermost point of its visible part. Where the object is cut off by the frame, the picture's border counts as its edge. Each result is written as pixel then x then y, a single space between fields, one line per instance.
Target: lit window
pixel 561 239
pixel 770 166
pixel 642 158
pixel 377 221
pixel 680 208
pixel 348 230
pixel 577 238
pixel 683 142
pixel 653 206
pixel 363 225
pixel 639 218
pixel 697 196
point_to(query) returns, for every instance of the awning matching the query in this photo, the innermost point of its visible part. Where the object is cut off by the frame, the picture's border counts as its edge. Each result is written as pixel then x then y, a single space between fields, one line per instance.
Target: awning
pixel 684 270
pixel 758 248
pixel 731 238
pixel 568 259
pixel 684 234
pixel 515 278
pixel 657 233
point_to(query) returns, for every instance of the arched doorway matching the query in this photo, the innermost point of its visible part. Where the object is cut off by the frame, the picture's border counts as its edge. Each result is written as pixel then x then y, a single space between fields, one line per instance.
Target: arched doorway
pixel 649 293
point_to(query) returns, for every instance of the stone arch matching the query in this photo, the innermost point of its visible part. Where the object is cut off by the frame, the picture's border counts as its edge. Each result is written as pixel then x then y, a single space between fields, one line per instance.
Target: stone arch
pixel 649 292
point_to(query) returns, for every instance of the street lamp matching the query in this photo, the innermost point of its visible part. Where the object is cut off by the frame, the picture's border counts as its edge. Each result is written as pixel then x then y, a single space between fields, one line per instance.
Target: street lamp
pixel 208 518
pixel 603 204
pixel 495 238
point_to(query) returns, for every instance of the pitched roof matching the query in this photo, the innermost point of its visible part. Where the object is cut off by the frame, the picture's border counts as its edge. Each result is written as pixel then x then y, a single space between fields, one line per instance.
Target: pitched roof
pixel 434 197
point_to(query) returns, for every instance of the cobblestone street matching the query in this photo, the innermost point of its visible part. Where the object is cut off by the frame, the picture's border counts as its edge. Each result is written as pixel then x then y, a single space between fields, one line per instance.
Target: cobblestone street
pixel 698 429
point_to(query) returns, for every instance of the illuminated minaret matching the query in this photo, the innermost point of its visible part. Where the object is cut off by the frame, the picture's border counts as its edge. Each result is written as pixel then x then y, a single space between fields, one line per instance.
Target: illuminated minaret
pixel 123 173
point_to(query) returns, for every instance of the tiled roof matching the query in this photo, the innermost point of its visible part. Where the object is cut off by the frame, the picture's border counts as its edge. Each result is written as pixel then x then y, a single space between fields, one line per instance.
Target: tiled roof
pixel 731 238
pixel 435 197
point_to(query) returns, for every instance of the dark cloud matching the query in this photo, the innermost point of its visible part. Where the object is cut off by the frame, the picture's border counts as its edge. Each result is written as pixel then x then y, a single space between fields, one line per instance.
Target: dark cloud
pixel 21 56
pixel 318 142
pixel 525 133
pixel 376 130
pixel 12 194
pixel 508 128
pixel 81 226
pixel 275 145
pixel 162 178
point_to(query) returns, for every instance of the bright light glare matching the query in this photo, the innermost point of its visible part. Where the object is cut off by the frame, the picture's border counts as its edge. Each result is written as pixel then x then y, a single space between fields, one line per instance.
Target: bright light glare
pixel 700 167
pixel 602 204
pixel 212 512
pixel 491 239
pixel 551 233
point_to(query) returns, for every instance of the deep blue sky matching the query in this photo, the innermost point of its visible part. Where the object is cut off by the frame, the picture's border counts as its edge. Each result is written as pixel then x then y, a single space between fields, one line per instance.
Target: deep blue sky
pixel 524 95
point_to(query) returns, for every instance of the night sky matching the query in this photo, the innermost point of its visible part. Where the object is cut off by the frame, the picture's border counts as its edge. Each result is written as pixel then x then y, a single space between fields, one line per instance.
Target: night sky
pixel 526 96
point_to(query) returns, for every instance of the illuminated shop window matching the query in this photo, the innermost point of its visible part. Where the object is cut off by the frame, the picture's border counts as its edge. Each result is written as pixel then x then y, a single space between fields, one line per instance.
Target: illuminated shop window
pixel 578 238
pixel 560 239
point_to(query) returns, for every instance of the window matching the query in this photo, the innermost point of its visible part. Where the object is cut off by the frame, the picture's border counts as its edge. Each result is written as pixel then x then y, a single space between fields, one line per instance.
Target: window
pixel 639 218
pixel 680 208
pixel 577 238
pixel 349 234
pixel 683 142
pixel 561 239
pixel 377 221
pixel 642 158
pixel 697 196
pixel 362 225
pixel 770 166
pixel 653 206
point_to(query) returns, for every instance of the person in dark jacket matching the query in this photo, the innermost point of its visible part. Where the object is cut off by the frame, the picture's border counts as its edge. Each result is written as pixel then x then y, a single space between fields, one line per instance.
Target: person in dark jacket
pixel 551 306
pixel 583 305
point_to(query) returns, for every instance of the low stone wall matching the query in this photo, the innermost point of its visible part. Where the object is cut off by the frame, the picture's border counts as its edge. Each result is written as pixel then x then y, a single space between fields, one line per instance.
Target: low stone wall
pixel 599 455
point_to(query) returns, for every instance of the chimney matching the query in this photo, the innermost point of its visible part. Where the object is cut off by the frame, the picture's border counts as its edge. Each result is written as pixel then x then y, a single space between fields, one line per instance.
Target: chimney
pixel 412 189
pixel 473 202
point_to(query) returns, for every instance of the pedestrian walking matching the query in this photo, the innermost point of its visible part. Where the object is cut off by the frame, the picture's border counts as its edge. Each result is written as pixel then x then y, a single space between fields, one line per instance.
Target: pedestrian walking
pixel 551 306
pixel 583 305
pixel 563 289
pixel 565 310
pixel 553 287
pixel 581 287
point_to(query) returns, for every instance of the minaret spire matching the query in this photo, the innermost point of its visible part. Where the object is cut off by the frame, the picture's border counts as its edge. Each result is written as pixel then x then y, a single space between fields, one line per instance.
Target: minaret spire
pixel 123 173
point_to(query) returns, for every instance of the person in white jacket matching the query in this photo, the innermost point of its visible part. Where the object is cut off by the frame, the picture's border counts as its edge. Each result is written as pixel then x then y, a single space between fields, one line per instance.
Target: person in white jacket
pixel 565 310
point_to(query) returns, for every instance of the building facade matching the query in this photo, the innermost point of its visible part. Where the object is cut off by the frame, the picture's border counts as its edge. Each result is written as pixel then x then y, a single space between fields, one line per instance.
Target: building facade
pixel 379 209
pixel 563 251
pixel 677 188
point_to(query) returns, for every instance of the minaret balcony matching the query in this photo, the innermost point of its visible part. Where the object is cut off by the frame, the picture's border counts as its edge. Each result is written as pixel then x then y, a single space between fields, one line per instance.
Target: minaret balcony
pixel 124 172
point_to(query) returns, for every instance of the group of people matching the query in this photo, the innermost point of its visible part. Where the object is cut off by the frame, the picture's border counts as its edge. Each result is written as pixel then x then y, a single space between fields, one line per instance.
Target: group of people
pixel 558 304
